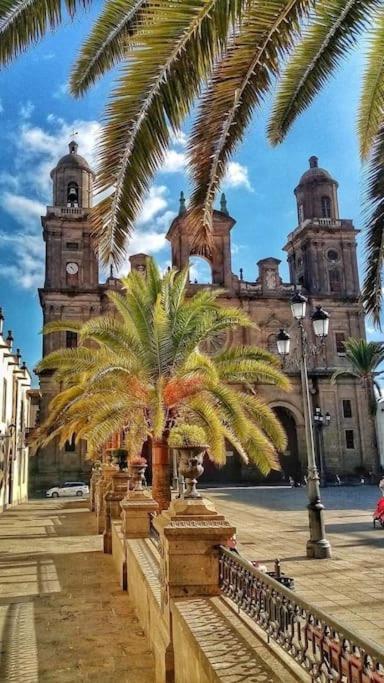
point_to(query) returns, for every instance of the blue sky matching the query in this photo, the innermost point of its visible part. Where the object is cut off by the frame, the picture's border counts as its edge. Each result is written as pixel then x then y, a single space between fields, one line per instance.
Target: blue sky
pixel 36 119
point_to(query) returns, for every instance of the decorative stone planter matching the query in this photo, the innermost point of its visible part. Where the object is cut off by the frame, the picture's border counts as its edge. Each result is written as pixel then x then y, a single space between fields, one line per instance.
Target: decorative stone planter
pixel 120 458
pixel 137 480
pixel 191 467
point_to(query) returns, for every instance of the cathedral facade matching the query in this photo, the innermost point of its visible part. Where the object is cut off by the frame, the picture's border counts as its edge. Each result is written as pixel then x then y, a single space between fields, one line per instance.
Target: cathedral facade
pixel 321 253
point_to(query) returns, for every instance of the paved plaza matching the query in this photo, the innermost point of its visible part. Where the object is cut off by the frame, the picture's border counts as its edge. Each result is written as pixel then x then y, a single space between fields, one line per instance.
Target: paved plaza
pixel 63 617
pixel 273 522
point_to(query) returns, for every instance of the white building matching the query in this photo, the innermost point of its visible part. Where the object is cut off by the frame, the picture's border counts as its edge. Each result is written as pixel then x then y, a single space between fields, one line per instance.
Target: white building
pixel 15 412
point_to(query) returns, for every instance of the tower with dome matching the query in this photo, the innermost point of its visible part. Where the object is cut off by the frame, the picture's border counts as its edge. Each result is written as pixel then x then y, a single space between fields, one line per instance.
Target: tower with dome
pixel 321 252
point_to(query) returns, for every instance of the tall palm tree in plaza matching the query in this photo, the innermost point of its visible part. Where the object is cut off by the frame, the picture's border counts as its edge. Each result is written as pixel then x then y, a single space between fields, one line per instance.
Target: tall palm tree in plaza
pixel 364 359
pixel 144 369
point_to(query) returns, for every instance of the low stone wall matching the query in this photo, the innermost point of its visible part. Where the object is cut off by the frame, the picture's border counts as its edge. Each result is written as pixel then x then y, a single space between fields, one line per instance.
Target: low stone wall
pixel 195 639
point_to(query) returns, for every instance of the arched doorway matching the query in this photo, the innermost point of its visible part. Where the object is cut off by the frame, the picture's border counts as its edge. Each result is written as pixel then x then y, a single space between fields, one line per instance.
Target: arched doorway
pixel 289 460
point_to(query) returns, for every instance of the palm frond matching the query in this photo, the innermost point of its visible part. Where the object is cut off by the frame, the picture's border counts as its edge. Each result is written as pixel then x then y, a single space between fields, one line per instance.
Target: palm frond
pixel 106 45
pixel 24 22
pixel 239 84
pixel 371 105
pixel 156 90
pixel 372 289
pixel 334 31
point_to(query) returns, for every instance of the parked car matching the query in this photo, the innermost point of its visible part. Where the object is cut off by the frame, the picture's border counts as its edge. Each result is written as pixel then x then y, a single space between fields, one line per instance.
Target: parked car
pixel 69 488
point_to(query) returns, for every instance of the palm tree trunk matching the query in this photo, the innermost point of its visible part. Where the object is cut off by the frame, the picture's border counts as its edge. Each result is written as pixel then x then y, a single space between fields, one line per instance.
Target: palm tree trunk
pixel 161 473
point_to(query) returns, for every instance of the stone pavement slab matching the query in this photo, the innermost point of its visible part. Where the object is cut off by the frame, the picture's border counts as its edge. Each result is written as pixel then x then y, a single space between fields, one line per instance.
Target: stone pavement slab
pixel 63 616
pixel 273 522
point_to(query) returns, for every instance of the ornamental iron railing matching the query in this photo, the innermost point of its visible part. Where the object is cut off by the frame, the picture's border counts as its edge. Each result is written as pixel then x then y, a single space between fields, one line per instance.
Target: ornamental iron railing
pixel 325 649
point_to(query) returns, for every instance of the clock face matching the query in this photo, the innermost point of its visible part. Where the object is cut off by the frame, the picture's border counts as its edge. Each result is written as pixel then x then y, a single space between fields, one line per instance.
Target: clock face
pixel 72 268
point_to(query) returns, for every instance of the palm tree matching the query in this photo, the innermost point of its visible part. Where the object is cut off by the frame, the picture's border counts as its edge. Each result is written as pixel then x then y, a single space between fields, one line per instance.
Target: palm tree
pixel 364 359
pixel 144 370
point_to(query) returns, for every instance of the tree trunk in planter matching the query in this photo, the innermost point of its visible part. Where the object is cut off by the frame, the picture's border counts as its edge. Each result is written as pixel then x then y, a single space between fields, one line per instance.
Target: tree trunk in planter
pixel 161 474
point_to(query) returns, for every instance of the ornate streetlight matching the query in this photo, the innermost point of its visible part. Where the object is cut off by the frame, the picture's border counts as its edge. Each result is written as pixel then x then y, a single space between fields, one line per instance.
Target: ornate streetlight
pixel 318 546
pixel 320 421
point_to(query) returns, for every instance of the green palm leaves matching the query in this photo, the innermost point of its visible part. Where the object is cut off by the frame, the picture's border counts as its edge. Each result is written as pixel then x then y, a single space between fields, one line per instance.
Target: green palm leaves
pixel 145 367
pixel 336 27
pixel 364 359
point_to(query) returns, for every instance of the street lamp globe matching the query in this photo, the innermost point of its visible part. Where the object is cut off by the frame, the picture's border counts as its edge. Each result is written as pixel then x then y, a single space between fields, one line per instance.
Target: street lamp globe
pixel 283 343
pixel 298 306
pixel 320 321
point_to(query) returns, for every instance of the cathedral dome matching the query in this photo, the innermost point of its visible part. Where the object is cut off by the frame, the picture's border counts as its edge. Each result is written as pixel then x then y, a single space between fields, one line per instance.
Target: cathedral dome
pixel 315 173
pixel 73 160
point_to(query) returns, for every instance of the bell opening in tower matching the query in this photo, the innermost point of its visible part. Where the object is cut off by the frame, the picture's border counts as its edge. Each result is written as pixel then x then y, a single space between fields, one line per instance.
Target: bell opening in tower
pixel 73 195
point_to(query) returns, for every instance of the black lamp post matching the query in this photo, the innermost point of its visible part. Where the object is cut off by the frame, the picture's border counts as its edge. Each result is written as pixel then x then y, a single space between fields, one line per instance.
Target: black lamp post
pixel 320 421
pixel 318 546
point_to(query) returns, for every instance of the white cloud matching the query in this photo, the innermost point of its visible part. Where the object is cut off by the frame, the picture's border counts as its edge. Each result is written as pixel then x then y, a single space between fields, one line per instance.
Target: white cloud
pixel 62 90
pixel 26 259
pixel 26 110
pixel 154 204
pixel 237 176
pixel 27 189
pixel 24 210
pixel 174 162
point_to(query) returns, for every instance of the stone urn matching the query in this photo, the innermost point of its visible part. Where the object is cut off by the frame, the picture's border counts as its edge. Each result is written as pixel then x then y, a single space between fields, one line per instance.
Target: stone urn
pixel 191 467
pixel 120 458
pixel 136 470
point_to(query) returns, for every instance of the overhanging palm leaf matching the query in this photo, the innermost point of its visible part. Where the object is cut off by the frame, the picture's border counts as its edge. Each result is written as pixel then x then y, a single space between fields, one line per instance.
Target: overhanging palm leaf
pixel 239 83
pixel 155 91
pixel 372 290
pixel 23 22
pixel 107 44
pixel 371 106
pixel 335 29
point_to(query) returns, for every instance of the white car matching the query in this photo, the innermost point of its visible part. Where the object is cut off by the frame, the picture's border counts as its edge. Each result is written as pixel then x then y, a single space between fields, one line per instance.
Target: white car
pixel 69 488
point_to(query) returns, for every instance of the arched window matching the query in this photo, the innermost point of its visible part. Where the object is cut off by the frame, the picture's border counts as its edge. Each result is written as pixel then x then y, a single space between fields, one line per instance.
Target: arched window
pixel 72 194
pixel 334 280
pixel 200 271
pixel 325 207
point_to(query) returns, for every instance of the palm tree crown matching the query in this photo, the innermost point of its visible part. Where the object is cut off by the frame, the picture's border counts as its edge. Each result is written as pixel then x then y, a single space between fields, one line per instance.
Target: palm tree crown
pixel 364 359
pixel 143 370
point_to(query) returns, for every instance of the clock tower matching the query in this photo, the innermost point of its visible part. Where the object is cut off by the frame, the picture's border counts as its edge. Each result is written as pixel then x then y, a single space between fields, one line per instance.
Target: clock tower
pixel 71 290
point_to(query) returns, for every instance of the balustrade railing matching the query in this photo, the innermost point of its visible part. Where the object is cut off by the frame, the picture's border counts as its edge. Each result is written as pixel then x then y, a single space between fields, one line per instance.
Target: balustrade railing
pixel 325 649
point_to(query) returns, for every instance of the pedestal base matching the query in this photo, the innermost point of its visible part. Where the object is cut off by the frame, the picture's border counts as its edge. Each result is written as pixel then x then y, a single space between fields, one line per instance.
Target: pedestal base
pixel 319 550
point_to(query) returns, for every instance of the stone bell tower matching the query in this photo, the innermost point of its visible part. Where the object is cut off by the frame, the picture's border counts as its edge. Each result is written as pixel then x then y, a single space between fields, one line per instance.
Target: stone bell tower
pixel 322 249
pixel 181 239
pixel 71 292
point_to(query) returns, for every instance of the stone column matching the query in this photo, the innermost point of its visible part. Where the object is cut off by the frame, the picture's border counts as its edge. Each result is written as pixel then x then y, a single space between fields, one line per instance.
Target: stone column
pixel 112 505
pixel 190 531
pixel 102 486
pixel 136 508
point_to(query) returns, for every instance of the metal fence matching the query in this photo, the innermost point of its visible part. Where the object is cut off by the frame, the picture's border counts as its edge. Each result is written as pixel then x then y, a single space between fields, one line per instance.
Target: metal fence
pixel 324 648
